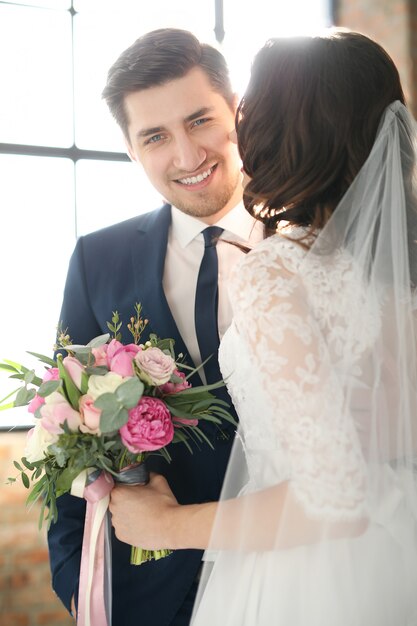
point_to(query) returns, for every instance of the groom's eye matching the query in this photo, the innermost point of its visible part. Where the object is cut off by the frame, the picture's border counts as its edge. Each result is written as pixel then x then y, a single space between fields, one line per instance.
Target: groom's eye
pixel 154 139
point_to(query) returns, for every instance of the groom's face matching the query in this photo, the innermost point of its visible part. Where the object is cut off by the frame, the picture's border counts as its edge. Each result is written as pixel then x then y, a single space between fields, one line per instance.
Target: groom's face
pixel 180 133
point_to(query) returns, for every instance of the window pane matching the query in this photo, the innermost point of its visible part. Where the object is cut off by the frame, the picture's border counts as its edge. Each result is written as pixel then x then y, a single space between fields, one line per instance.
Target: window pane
pixel 265 19
pixel 111 32
pixel 52 4
pixel 35 76
pixel 109 192
pixel 37 196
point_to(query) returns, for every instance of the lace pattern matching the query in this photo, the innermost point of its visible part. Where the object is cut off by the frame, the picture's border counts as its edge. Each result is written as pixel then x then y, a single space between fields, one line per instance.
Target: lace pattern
pixel 282 359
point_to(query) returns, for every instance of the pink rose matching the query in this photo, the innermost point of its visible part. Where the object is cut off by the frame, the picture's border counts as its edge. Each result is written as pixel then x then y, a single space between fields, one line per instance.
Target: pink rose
pixel 156 367
pixel 90 416
pixel 120 357
pixel 100 354
pixel 51 374
pixel 75 370
pixel 55 411
pixel 176 387
pixel 149 426
pixel 34 404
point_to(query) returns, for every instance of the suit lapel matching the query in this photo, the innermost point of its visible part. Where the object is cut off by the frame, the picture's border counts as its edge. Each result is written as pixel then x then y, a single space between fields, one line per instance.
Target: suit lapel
pixel 148 259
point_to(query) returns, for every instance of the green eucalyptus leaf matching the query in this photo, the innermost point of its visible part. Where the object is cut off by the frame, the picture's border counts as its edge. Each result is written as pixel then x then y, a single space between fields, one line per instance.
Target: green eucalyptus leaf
pixel 37 474
pixel 166 345
pixel 29 376
pixel 113 414
pixel 27 464
pixel 99 341
pixel 24 396
pixel 60 454
pixel 107 402
pixel 49 387
pixel 78 349
pixel 130 392
pixel 85 358
pixel 113 420
pixel 25 480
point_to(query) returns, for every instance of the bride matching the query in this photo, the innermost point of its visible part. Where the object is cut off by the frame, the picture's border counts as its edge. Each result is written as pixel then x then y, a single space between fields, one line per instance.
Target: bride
pixel 317 521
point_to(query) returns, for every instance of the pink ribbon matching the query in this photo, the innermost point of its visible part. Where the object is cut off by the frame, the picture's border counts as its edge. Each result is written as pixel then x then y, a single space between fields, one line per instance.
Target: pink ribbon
pixel 91 602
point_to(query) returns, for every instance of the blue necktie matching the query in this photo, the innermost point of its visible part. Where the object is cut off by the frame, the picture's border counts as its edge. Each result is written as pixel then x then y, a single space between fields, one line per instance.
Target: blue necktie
pixel 206 304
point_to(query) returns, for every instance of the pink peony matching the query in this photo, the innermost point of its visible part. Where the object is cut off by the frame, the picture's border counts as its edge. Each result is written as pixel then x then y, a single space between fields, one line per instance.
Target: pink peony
pixel 75 370
pixel 51 374
pixel 176 387
pixel 149 426
pixel 120 357
pixel 156 367
pixel 55 411
pixel 100 355
pixel 90 416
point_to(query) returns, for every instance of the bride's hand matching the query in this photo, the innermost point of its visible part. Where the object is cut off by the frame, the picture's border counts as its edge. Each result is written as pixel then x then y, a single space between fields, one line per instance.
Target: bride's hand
pixel 143 515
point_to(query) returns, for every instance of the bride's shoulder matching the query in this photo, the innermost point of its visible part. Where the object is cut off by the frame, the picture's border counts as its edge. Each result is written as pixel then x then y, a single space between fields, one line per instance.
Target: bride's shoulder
pixel 282 251
pixel 270 267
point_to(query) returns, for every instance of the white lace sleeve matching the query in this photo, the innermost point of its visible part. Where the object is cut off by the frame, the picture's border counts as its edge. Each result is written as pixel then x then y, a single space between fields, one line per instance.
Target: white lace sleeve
pixel 290 358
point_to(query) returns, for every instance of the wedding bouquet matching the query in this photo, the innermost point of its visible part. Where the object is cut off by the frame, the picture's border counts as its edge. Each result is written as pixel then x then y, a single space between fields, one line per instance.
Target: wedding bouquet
pixel 102 408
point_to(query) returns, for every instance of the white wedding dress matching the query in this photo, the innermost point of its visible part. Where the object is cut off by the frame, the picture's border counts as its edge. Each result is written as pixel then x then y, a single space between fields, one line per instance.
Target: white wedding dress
pixel 304 333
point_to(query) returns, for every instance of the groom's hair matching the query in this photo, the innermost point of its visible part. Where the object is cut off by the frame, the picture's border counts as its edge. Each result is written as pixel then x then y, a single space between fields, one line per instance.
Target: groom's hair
pixel 308 120
pixel 158 57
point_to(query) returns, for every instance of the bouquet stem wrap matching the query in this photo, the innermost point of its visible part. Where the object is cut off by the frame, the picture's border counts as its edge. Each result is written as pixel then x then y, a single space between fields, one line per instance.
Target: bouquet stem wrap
pixel 95 588
pixel 138 474
pixel 94 596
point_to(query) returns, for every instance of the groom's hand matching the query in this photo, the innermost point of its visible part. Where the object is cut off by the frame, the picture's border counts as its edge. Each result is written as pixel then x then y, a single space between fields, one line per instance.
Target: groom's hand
pixel 142 515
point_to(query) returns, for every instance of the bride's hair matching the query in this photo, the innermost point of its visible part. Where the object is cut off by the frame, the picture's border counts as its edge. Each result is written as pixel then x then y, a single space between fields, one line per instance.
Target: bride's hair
pixel 308 120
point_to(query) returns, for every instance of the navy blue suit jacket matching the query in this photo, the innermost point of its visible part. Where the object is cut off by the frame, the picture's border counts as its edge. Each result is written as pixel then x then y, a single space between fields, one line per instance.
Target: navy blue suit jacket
pixel 111 270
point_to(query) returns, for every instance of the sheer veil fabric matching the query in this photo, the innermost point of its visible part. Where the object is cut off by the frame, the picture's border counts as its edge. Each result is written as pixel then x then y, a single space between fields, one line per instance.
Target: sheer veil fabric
pixel 321 363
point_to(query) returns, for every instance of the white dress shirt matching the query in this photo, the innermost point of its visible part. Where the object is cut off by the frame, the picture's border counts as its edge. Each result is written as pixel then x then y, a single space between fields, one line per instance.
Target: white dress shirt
pixel 182 263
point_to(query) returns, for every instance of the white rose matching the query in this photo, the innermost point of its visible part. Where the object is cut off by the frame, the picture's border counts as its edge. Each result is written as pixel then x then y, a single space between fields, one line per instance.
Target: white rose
pixel 37 442
pixel 97 385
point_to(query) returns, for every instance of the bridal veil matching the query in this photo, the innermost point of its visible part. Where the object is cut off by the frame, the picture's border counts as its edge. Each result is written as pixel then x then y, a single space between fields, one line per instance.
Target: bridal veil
pixel 322 364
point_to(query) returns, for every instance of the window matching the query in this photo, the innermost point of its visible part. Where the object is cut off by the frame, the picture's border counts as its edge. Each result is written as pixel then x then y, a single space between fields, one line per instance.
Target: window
pixel 63 166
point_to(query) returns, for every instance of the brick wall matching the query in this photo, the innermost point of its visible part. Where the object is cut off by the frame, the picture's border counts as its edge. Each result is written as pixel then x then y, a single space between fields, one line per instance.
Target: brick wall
pixel 26 596
pixel 393 24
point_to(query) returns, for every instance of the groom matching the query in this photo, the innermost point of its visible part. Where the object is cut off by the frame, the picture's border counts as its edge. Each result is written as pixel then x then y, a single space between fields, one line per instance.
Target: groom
pixel 173 100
